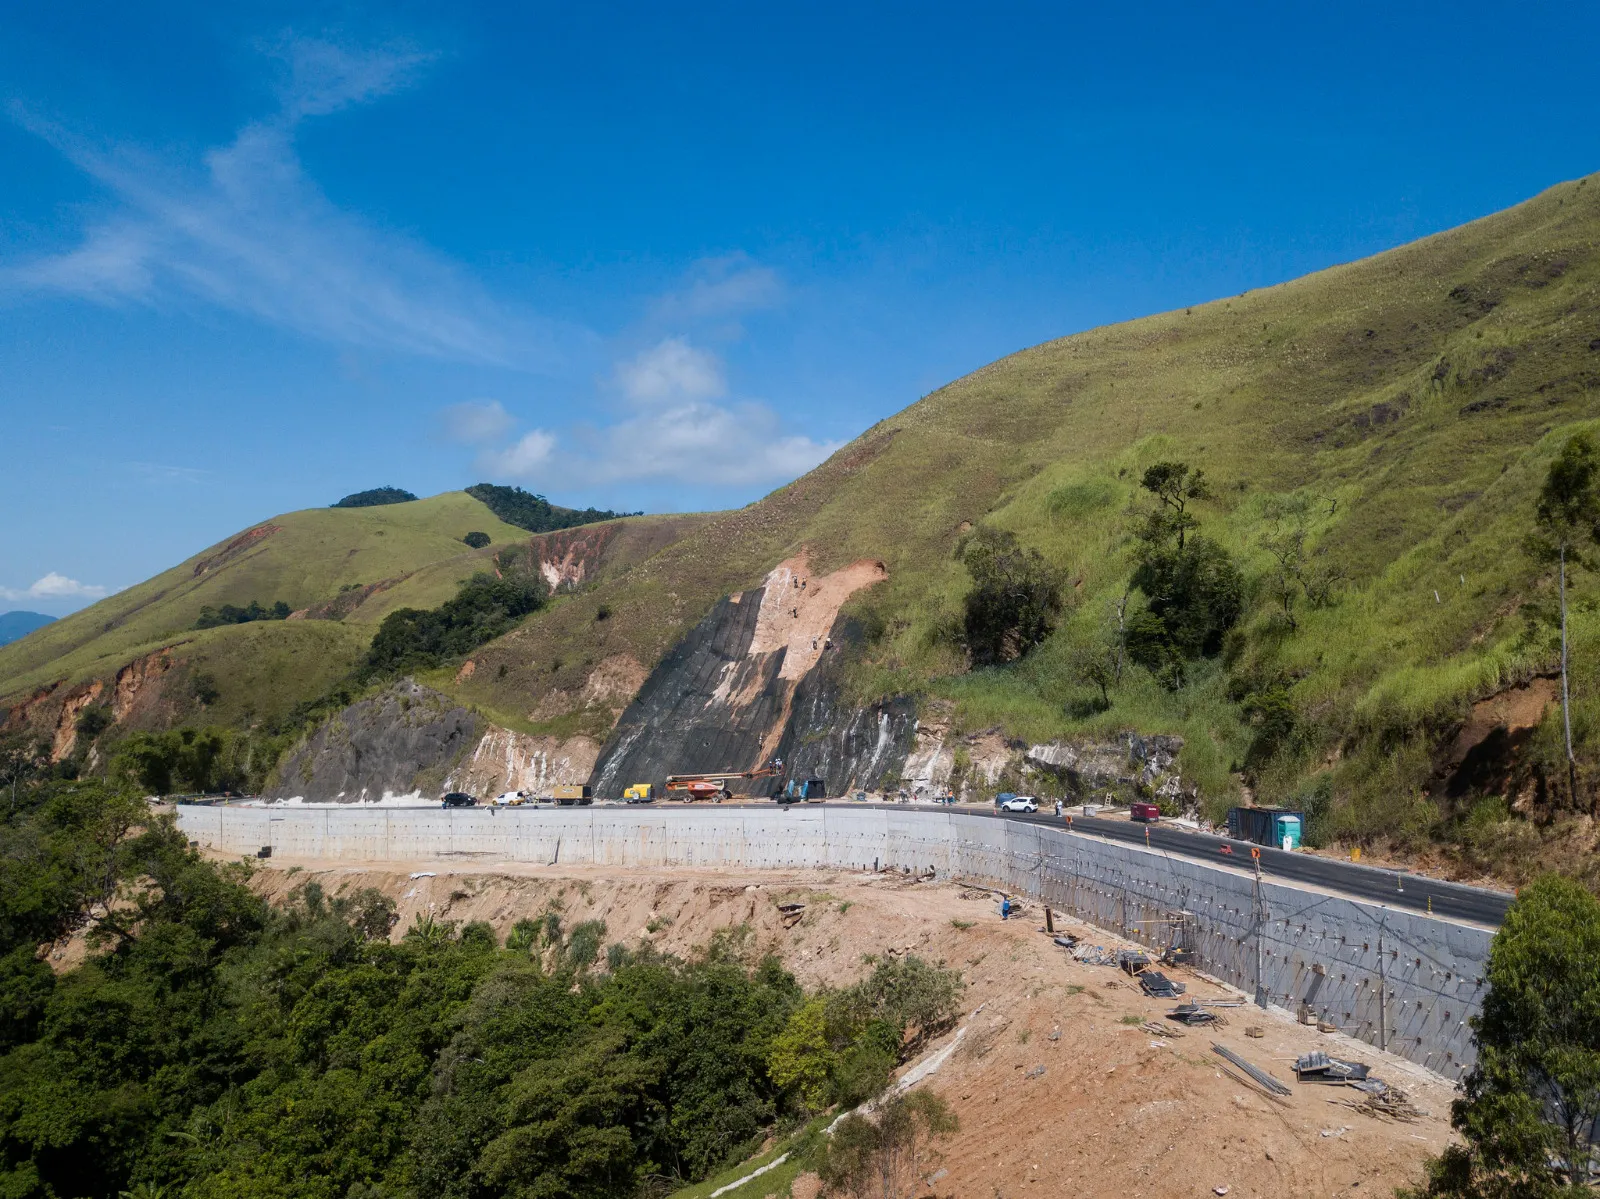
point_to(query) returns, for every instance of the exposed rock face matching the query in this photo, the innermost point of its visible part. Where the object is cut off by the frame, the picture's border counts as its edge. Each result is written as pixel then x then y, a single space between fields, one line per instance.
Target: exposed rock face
pixel 399 742
pixel 568 556
pixel 849 748
pixel 1132 760
pixel 747 683
pixel 66 734
pixel 507 761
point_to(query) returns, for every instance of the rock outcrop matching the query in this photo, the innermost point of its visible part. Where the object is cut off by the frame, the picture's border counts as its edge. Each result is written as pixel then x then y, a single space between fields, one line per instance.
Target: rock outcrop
pixel 748 682
pixel 403 741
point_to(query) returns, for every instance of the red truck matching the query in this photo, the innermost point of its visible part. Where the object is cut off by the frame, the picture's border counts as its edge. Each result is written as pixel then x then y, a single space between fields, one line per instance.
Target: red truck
pixel 1145 813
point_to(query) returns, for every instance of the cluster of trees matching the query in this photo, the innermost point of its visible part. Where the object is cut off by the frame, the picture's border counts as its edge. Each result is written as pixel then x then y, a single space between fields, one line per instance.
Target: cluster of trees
pixel 215 1045
pixel 211 617
pixel 375 497
pixel 1192 591
pixel 486 606
pixel 535 513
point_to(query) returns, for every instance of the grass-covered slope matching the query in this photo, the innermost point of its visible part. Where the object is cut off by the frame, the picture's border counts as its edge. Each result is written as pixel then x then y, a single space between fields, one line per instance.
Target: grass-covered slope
pixel 1406 406
pixel 301 558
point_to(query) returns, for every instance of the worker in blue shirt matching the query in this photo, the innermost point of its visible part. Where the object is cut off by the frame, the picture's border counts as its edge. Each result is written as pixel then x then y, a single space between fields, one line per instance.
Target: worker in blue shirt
pixel 1005 908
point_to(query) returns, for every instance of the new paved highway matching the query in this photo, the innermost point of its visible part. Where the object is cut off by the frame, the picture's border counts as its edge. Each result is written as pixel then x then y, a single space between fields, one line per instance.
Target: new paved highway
pixel 1397 888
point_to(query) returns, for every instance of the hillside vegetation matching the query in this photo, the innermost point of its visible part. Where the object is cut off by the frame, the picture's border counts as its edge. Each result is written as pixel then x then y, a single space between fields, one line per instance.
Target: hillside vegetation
pixel 1372 440
pixel 1395 415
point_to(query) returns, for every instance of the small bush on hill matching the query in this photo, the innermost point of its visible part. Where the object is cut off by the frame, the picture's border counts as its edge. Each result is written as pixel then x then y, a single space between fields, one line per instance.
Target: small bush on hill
pixel 211 618
pixel 533 512
pixel 484 608
pixel 374 498
pixel 1015 599
pixel 476 540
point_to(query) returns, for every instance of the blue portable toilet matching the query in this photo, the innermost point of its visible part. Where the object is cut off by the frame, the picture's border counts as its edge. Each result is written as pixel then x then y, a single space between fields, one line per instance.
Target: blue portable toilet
pixel 1287 831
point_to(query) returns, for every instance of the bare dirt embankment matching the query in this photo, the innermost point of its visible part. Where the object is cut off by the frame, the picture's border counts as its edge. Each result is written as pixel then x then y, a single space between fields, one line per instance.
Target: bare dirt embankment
pixel 1058 1089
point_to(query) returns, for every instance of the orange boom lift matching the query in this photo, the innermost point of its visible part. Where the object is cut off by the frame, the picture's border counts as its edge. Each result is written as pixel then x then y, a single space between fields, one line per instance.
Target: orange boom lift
pixel 714 785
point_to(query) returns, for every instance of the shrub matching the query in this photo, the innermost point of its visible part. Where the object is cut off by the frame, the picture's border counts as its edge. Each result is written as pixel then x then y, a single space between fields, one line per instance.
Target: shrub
pixel 1016 597
pixel 476 540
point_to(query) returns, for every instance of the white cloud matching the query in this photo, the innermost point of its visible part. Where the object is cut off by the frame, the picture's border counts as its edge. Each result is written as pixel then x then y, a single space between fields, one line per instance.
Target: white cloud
pixel 526 457
pixel 716 446
pixel 55 586
pixel 722 287
pixel 672 370
pixel 249 232
pixel 476 421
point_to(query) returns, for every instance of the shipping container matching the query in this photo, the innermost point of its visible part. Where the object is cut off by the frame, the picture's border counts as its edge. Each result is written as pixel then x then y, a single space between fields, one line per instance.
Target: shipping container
pixel 1277 827
pixel 572 793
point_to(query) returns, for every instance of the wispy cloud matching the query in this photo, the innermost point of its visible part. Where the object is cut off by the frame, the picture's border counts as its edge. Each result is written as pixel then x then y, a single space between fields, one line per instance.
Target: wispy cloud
pixel 721 287
pixel 529 457
pixel 54 587
pixel 248 231
pixel 476 421
pixel 161 472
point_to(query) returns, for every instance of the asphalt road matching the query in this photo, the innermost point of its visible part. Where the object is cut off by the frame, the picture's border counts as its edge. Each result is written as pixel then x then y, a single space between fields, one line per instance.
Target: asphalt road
pixel 1398 889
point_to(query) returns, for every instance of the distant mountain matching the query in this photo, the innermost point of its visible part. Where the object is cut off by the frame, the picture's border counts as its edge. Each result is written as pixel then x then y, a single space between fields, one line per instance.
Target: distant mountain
pixel 20 624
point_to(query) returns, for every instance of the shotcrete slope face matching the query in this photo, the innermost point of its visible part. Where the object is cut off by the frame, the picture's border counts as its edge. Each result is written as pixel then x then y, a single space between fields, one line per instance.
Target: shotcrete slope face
pixel 723 699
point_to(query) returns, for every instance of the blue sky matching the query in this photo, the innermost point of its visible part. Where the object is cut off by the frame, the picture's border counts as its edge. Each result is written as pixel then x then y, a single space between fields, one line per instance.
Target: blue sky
pixel 660 257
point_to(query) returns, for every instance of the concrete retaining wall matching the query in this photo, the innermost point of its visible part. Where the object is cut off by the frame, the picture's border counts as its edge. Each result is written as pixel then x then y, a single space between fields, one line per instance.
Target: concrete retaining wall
pixel 1406 981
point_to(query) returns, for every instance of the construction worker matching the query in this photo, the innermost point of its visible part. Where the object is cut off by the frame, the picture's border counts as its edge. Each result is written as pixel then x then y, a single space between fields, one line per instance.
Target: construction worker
pixel 1005 907
pixel 1058 807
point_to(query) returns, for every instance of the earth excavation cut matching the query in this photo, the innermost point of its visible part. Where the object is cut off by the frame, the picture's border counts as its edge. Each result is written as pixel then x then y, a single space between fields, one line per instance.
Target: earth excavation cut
pixel 1066 1077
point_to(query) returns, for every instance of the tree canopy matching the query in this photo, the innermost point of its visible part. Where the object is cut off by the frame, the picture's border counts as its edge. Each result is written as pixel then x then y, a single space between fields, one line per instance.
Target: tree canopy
pixel 1531 1102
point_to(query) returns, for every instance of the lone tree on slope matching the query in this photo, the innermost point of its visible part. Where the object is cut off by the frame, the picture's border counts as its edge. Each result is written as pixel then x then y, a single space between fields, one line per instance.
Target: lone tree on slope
pixel 1568 516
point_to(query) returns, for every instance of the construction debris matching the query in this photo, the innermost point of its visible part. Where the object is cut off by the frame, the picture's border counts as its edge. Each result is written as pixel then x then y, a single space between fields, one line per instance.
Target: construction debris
pixel 1387 1103
pixel 791 913
pixel 1158 986
pixel 1254 1030
pixel 1319 1067
pixel 1161 1030
pixel 1261 1076
pixel 1194 1015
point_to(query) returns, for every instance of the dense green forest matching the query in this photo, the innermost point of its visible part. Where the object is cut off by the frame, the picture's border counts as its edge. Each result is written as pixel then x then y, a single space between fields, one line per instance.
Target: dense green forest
pixel 211 1044
pixel 535 513
pixel 375 497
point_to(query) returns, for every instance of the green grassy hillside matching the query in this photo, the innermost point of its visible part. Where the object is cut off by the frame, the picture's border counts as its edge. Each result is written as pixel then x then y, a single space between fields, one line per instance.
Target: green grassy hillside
pixel 1399 412
pixel 1404 406
pixel 301 558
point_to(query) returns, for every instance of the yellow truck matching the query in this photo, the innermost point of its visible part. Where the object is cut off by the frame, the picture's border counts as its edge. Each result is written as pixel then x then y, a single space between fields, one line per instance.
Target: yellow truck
pixel 572 793
pixel 639 793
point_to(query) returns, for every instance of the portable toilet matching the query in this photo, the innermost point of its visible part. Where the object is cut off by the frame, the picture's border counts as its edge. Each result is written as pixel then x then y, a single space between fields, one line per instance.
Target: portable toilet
pixel 1288 831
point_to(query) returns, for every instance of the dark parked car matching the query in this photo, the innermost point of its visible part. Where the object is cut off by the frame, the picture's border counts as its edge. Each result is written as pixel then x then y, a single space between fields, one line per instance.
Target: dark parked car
pixel 458 799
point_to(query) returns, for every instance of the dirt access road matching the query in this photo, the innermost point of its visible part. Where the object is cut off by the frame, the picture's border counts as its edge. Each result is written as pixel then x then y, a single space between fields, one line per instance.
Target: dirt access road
pixel 1058 1089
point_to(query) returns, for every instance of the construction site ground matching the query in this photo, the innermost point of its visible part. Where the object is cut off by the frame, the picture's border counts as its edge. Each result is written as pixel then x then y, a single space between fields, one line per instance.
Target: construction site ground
pixel 1058 1087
